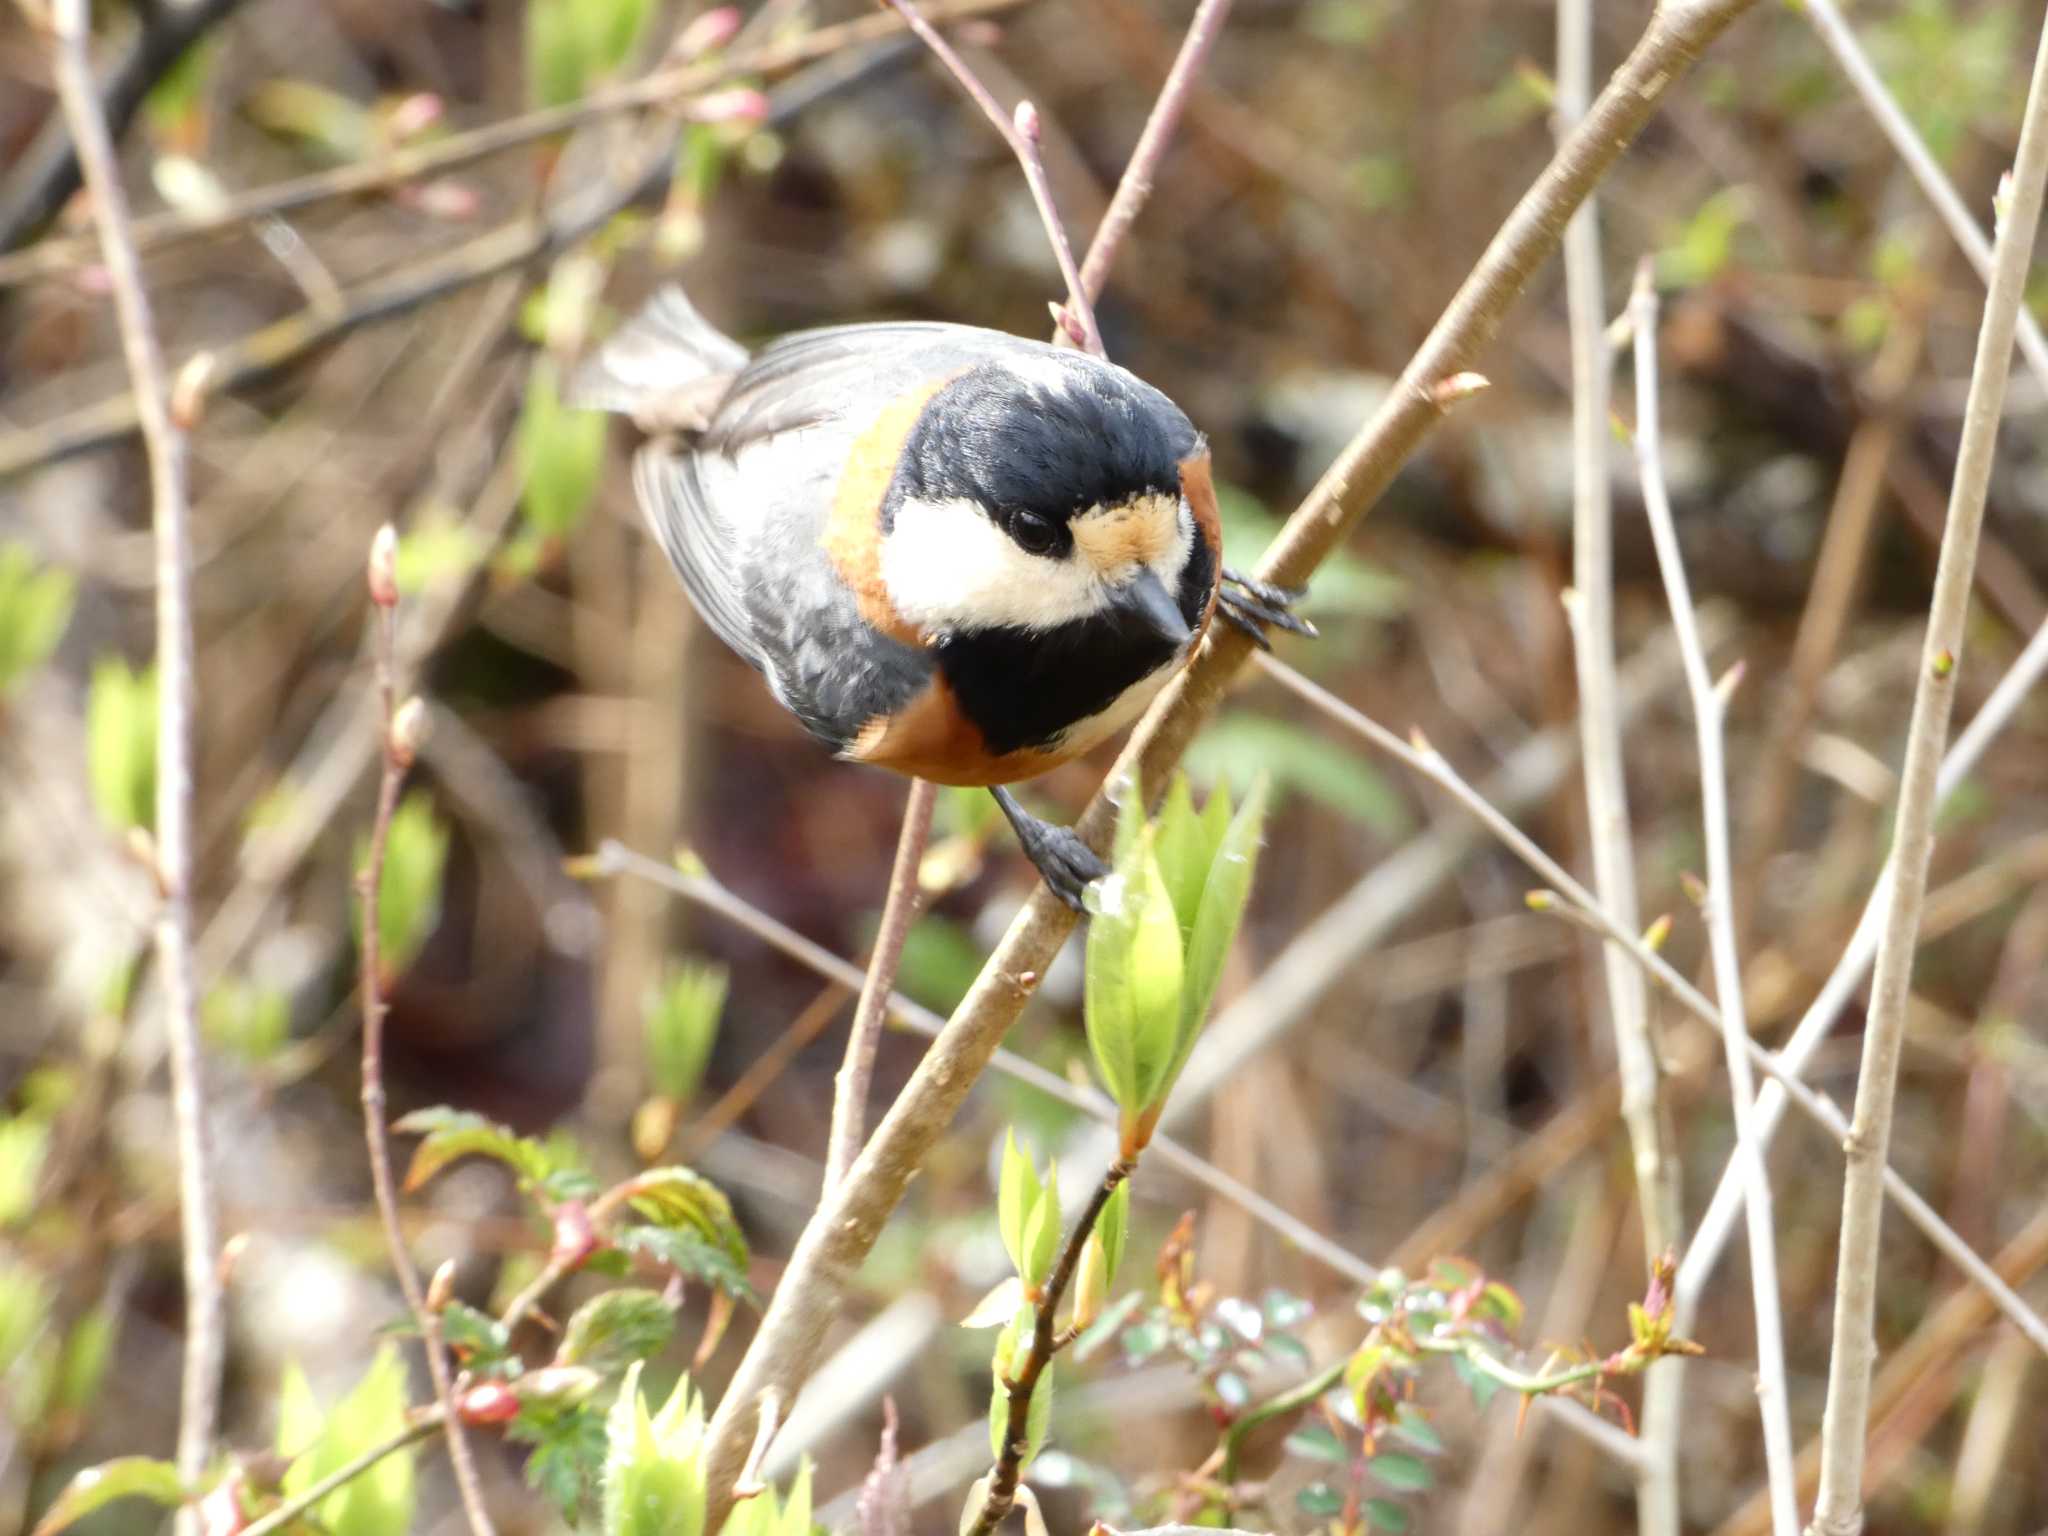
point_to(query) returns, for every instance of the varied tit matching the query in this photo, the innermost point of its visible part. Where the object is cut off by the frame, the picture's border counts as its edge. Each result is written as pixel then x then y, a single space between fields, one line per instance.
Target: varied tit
pixel 951 552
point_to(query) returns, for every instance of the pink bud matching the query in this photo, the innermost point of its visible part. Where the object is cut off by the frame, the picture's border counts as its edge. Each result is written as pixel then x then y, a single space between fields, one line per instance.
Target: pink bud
pixel 383 568
pixel 410 727
pixel 1028 126
pixel 443 198
pixel 413 115
pixel 490 1402
pixel 575 1237
pixel 220 1512
pixel 742 104
pixel 714 29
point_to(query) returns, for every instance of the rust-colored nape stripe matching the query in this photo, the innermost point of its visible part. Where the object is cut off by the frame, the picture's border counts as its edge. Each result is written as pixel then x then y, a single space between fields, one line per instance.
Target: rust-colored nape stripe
pixel 853 533
pixel 1200 490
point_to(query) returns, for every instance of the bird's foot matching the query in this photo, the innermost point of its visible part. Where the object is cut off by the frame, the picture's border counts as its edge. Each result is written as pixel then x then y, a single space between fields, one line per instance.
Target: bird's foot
pixel 1069 865
pixel 1256 606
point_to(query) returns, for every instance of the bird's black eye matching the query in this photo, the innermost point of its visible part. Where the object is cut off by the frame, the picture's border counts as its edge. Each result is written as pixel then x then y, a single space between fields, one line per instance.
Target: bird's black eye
pixel 1034 535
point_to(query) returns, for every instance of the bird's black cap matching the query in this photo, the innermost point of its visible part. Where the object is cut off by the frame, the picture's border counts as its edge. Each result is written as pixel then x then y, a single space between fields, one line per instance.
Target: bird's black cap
pixel 1012 441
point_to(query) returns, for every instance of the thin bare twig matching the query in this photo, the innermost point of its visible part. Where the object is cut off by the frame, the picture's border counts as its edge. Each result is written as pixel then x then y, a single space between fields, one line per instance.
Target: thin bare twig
pixel 615 858
pixel 48 170
pixel 1590 608
pixel 398 753
pixel 1020 131
pixel 1709 707
pixel 1135 186
pixel 412 163
pixel 429 1420
pixel 899 911
pixel 1711 1237
pixel 1839 1511
pixel 845 1226
pixel 1432 765
pixel 1890 117
pixel 164 440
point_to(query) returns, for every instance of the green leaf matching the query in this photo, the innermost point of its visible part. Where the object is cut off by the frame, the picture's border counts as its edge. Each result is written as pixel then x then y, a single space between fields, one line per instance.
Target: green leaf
pixel 1222 906
pixel 1317 1442
pixel 617 1329
pixel 683 1199
pixel 1042 1231
pixel 1185 849
pixel 1132 998
pixel 480 1341
pixel 83 1367
pixel 178 99
pixel 1113 1226
pixel 1017 1192
pixel 129 1477
pixel 25 1302
pixel 772 1514
pixel 690 1254
pixel 1500 1303
pixel 1404 1473
pixel 611 29
pixel 1241 744
pixel 567 1461
pixel 560 452
pixel 1142 1341
pixel 341 129
pixel 246 1020
pixel 35 607
pixel 1387 1516
pixel 1106 1327
pixel 1414 1430
pixel 379 1501
pixel 1320 1500
pixel 453 1134
pixel 682 1016
pixel 24 1145
pixel 556 70
pixel 439 547
pixel 120 743
pixel 654 1464
pixel 409 894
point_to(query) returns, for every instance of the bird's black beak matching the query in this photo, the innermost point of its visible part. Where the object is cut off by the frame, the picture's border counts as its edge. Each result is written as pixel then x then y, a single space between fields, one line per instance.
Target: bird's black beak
pixel 1145 600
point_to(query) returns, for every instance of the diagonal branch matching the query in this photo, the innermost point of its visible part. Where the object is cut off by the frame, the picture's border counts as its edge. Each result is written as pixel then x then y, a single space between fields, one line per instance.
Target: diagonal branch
pixel 1839 1511
pixel 845 1226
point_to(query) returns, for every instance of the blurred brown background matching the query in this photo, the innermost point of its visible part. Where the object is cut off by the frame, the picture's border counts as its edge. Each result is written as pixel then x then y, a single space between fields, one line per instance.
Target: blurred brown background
pixel 1342 164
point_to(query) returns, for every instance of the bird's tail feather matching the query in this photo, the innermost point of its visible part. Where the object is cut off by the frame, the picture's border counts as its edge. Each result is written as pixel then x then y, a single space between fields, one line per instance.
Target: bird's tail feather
pixel 667 367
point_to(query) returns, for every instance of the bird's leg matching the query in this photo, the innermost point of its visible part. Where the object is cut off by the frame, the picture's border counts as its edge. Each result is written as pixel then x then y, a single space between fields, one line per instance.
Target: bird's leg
pixel 1069 865
pixel 1254 606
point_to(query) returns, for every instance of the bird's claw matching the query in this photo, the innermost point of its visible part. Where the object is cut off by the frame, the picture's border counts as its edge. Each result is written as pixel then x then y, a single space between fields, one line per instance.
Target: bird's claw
pixel 1069 865
pixel 1256 606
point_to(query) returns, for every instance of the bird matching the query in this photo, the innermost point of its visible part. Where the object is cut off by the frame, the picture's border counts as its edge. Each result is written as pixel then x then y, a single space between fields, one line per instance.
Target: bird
pixel 950 551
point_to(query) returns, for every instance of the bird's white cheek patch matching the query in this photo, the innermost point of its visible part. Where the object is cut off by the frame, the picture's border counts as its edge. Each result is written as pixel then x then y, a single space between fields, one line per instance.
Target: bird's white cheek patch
pixel 948 567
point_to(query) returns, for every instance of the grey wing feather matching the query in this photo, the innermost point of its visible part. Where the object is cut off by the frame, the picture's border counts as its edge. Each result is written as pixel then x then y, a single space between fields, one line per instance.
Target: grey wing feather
pixel 666 367
pixel 819 376
pixel 670 490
